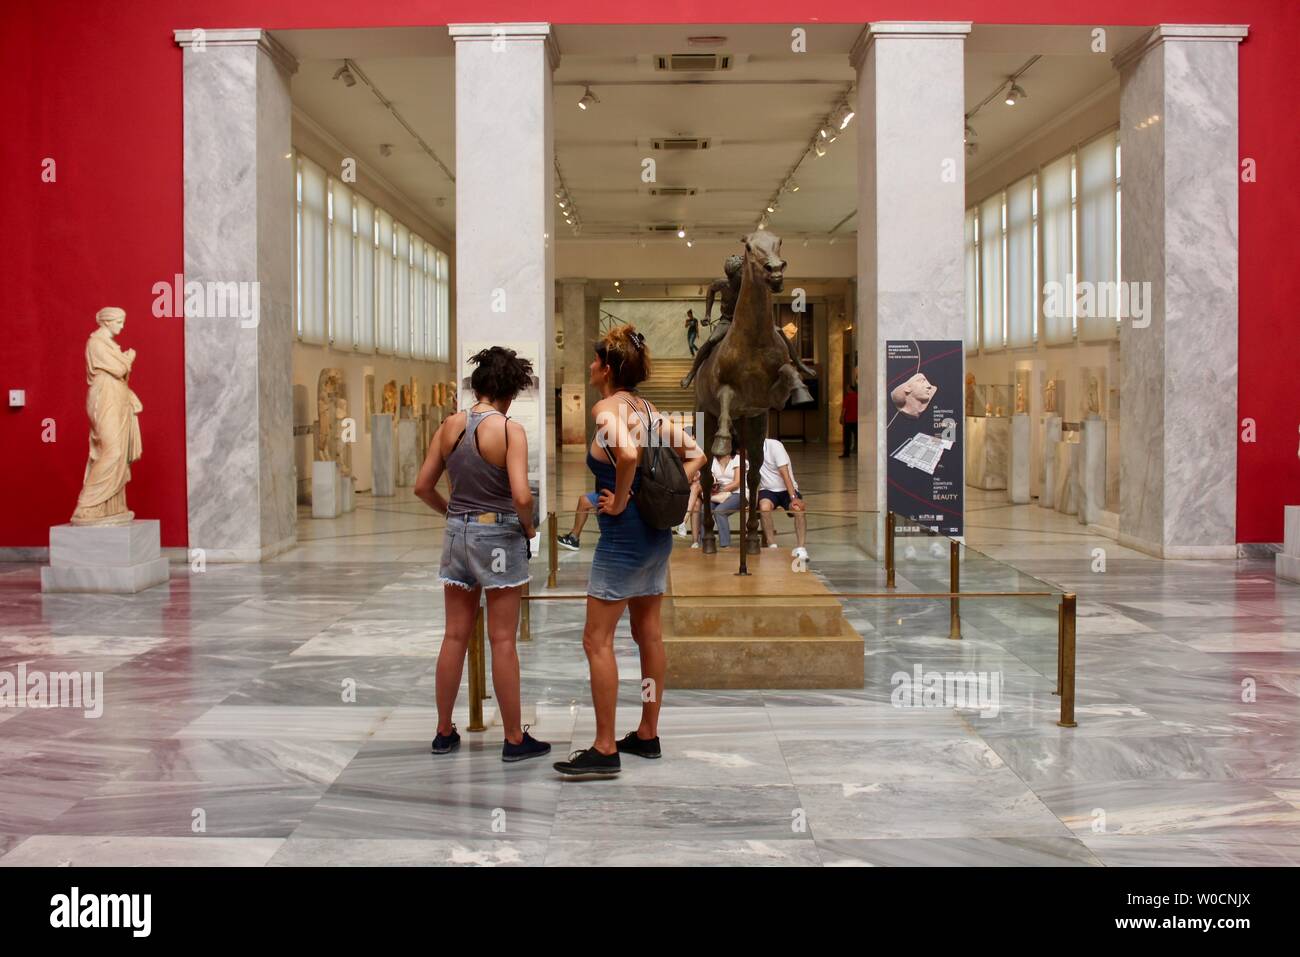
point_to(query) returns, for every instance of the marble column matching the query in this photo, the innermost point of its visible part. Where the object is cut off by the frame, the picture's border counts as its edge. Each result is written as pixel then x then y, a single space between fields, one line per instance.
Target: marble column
pixel 577 353
pixel 505 206
pixel 238 225
pixel 1178 410
pixel 911 204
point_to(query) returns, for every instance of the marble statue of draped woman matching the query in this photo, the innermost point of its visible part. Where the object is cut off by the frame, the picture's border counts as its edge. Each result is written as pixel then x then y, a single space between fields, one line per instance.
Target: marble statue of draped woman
pixel 114 429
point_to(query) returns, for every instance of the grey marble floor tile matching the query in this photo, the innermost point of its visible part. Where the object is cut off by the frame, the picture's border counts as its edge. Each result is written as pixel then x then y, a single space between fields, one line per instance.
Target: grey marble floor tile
pixel 701 852
pixel 79 850
pixel 234 762
pixel 375 637
pixel 1141 850
pixel 624 810
pixel 285 721
pixel 1067 759
pixel 986 805
pixel 957 852
pixel 308 681
pixel 367 852
pixel 833 761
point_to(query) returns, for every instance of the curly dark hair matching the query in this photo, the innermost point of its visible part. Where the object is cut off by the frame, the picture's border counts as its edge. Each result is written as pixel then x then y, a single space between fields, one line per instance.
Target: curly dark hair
pixel 499 373
pixel 624 350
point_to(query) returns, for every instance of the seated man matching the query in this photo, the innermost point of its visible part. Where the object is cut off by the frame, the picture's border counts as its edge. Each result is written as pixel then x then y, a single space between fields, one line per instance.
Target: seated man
pixel 778 489
pixel 586 503
pixel 729 289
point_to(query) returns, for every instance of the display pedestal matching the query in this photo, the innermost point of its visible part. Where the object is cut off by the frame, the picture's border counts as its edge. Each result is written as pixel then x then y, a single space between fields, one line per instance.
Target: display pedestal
pixel 383 456
pixel 105 559
pixel 326 494
pixel 1067 478
pixel 988 443
pixel 1287 561
pixel 1092 471
pixel 408 453
pixel 1018 464
pixel 1051 445
pixel 722 630
pixel 348 490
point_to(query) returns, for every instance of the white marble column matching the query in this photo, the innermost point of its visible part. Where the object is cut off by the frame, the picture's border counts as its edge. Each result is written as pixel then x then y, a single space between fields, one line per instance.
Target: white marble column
pixel 238 230
pixel 1178 414
pixel 911 202
pixel 505 234
pixel 577 356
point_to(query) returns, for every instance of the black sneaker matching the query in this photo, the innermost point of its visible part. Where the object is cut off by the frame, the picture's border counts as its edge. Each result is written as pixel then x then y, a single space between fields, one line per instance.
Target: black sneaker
pixel 570 542
pixel 590 764
pixel 642 747
pixel 446 743
pixel 529 747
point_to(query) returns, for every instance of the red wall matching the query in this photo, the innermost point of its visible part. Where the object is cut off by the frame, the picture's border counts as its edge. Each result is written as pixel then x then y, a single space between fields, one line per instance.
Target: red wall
pixel 97 87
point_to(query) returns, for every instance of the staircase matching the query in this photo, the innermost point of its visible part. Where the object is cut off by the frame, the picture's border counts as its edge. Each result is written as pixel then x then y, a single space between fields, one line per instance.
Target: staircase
pixel 663 389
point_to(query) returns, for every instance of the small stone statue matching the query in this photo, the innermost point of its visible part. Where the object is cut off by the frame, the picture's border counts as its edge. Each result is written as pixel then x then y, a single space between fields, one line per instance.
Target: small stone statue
pixel 970 393
pixel 390 398
pixel 1049 396
pixel 114 427
pixel 1094 396
pixel 1021 406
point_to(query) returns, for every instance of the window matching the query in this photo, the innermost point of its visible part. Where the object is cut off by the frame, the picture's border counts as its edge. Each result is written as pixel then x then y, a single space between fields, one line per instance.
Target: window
pixel 1054 191
pixel 402 291
pixel 342 254
pixel 970 234
pixel 417 298
pixel 384 312
pixel 367 244
pixel 311 216
pixel 992 331
pixel 1098 245
pixel 1020 264
pixel 442 331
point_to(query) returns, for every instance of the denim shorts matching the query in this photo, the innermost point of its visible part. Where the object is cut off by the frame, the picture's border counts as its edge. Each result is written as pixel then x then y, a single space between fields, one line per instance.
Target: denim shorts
pixel 484 554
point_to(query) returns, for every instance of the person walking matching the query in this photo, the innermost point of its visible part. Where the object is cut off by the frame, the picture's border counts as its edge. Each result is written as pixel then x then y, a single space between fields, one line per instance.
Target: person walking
pixel 486 544
pixel 692 331
pixel 629 569
pixel 849 418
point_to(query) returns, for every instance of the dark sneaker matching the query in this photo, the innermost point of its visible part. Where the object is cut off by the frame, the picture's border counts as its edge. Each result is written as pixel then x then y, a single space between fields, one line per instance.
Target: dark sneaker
pixel 529 747
pixel 446 743
pixel 570 542
pixel 641 747
pixel 589 764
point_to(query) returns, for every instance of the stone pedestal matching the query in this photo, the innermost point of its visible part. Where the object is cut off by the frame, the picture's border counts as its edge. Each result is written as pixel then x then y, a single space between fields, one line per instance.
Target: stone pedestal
pixel 1051 445
pixel 1018 463
pixel 1287 561
pixel 117 559
pixel 326 493
pixel 1092 471
pixel 1067 478
pixel 348 496
pixel 383 456
pixel 408 453
pixel 988 443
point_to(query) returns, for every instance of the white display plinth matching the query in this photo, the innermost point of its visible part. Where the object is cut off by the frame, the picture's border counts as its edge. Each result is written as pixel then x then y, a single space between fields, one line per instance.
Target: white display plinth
pixel 1051 444
pixel 105 559
pixel 1287 561
pixel 348 497
pixel 408 453
pixel 1092 471
pixel 1018 467
pixel 987 441
pixel 326 495
pixel 383 456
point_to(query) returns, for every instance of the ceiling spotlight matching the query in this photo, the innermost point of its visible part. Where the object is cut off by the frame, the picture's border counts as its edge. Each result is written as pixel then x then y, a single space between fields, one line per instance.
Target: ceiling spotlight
pixel 972 149
pixel 1015 95
pixel 616 283
pixel 842 117
pixel 564 203
pixel 681 232
pixel 588 98
pixel 825 133
pixel 819 148
pixel 832 242
pixel 771 207
pixel 792 186
pixel 385 149
pixel 689 243
pixel 345 74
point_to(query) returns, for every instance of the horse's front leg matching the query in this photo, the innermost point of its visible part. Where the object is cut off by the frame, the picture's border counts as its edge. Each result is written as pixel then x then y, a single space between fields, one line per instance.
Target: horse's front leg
pixel 722 438
pixel 708 540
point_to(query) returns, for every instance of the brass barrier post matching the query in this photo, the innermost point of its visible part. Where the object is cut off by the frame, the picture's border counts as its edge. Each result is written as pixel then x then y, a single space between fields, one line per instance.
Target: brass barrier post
pixel 1067 661
pixel 889 549
pixel 525 616
pixel 954 573
pixel 1060 642
pixel 476 675
pixel 552 550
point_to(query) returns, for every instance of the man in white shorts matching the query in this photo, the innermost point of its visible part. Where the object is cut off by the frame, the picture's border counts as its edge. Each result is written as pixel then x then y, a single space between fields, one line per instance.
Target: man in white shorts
pixel 778 489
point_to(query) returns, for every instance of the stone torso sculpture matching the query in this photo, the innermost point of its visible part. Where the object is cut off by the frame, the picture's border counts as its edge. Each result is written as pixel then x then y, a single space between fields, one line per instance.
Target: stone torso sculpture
pixel 112 409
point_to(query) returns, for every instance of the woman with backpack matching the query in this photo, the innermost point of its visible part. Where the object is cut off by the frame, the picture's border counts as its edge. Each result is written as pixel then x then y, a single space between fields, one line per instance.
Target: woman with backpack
pixel 643 465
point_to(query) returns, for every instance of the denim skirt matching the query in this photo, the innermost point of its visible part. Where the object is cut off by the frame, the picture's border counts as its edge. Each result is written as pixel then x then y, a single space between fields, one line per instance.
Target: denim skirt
pixel 631 558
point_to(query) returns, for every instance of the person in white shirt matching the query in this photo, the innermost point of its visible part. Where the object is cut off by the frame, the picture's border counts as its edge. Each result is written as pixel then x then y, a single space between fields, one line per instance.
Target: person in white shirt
pixel 726 495
pixel 778 489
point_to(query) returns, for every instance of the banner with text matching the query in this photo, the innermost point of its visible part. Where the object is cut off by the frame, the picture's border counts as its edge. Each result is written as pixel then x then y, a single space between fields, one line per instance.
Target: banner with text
pixel 923 406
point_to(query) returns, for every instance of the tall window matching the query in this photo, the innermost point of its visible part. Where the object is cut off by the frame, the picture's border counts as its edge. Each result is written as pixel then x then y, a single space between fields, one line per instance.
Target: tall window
pixel 442 331
pixel 384 310
pixel 1058 250
pixel 1098 245
pixel 991 280
pixel 1020 263
pixel 311 217
pixel 342 257
pixel 402 291
pixel 367 244
pixel 417 298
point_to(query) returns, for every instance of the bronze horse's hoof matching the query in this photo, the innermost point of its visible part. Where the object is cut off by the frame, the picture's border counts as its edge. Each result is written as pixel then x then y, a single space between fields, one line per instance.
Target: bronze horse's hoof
pixel 722 443
pixel 709 544
pixel 753 544
pixel 801 396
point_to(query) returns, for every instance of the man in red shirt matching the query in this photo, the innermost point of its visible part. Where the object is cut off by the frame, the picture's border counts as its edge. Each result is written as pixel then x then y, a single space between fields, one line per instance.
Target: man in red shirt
pixel 849 418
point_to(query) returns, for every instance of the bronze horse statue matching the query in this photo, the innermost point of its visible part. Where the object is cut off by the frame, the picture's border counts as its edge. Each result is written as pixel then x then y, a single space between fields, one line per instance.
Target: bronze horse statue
pixel 747 374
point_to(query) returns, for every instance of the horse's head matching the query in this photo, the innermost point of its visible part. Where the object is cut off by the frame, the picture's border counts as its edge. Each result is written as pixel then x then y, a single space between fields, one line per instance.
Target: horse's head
pixel 763 250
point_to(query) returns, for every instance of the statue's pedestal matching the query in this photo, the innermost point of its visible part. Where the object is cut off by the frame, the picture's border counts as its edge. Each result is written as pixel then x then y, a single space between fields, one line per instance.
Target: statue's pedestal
pixel 383 456
pixel 408 456
pixel 326 490
pixel 108 559
pixel 348 496
pixel 1018 466
pixel 776 628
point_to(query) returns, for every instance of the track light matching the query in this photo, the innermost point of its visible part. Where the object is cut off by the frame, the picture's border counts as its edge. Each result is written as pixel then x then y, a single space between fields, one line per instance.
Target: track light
pixel 771 207
pixel 345 74
pixel 588 98
pixel 819 148
pixel 842 117
pixel 792 186
pixel 970 134
pixel 1015 95
pixel 385 149
pixel 825 133
pixel 681 232
pixel 689 243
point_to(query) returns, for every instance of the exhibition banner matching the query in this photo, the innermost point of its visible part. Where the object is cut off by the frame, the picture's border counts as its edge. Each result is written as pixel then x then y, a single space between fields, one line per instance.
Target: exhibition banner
pixel 924 477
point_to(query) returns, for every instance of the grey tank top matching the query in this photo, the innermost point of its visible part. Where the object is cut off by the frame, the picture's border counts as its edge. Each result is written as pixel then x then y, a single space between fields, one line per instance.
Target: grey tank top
pixel 476 484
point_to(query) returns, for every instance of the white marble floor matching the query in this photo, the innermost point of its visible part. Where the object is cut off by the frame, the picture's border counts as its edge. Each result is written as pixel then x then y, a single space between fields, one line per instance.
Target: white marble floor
pixel 225 738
